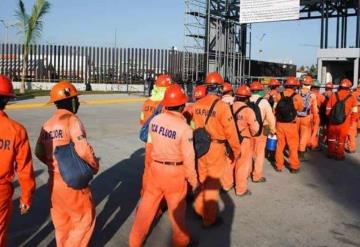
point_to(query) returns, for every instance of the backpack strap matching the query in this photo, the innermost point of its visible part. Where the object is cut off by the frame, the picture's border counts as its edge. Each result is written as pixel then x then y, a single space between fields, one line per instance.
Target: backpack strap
pixel 211 110
pixel 258 101
pixel 347 97
pixel 337 97
pixel 240 137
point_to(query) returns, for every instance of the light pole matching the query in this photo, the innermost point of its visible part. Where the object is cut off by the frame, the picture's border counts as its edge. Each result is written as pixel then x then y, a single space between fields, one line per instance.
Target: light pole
pixel 7 26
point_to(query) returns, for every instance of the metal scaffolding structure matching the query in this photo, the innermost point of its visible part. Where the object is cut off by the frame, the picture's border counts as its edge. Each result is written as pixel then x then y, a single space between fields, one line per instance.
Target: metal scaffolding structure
pixel 212 28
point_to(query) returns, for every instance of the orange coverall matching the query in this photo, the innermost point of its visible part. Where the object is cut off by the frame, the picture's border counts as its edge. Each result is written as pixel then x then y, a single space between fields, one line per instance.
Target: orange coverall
pixel 259 142
pixel 248 126
pixel 72 211
pixel 172 141
pixel 221 127
pixel 15 156
pixel 304 123
pixel 227 180
pixel 315 120
pixel 337 134
pixel 288 134
pixel 352 134
pixel 327 94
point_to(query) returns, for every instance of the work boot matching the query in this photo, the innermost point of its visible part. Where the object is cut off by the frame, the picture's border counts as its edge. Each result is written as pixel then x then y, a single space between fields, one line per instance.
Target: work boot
pixel 246 193
pixel 301 156
pixel 219 221
pixel 261 180
pixel 330 156
pixel 340 158
pixel 193 243
pixel 294 171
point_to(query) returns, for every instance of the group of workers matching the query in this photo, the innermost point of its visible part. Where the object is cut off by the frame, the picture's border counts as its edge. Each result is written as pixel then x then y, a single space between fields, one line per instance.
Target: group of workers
pixel 230 127
pixel 236 124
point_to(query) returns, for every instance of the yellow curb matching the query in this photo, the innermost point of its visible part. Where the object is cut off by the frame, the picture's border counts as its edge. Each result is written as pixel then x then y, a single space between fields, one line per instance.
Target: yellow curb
pixel 23 106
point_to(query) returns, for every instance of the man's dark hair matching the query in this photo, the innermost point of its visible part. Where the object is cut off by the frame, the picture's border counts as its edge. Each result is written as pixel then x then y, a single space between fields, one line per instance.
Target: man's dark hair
pixel 179 108
pixel 3 102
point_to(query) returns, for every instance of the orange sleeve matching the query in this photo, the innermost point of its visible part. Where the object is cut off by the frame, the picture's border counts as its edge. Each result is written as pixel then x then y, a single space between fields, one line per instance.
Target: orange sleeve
pixel 298 103
pixel 270 117
pixel 314 105
pixel 330 104
pixel 24 167
pixel 82 147
pixel 188 153
pixel 252 122
pixel 228 124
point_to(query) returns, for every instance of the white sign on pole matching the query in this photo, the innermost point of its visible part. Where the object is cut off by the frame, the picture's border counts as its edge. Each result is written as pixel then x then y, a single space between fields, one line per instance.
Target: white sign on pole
pixel 268 10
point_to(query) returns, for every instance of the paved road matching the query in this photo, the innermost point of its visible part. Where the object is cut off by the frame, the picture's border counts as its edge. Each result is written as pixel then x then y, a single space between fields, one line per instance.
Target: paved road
pixel 320 206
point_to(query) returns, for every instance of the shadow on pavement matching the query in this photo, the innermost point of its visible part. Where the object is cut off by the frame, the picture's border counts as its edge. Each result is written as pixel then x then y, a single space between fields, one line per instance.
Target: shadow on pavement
pixel 340 181
pixel 219 235
pixel 119 186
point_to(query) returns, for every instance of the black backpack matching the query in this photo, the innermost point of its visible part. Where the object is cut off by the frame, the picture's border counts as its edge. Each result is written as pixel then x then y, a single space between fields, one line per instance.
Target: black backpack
pixel 255 107
pixel 337 114
pixel 285 110
pixel 322 112
pixel 202 138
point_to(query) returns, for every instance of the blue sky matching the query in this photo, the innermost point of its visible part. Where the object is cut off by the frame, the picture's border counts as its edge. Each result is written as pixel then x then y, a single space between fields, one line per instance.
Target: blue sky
pixel 159 24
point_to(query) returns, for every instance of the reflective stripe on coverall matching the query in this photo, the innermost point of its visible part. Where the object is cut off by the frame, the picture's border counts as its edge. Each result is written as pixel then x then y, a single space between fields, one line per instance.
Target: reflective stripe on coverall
pixel 337 134
pixel 248 126
pixel 304 123
pixel 288 134
pixel 16 158
pixel 72 211
pixel 259 142
pixel 172 142
pixel 221 126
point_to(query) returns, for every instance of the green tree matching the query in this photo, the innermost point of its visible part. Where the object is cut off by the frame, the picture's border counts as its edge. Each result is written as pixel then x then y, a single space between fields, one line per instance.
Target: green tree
pixel 31 27
pixel 313 70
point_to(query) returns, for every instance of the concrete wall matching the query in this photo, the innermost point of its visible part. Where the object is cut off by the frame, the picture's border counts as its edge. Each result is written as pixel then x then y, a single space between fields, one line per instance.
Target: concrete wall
pixel 81 87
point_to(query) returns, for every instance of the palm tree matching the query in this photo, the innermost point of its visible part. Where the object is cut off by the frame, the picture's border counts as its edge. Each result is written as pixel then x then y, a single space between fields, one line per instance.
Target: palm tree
pixel 31 27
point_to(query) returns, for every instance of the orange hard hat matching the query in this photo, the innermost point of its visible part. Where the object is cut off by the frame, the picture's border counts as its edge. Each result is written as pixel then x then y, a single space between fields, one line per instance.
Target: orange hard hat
pixel 329 85
pixel 174 96
pixel 346 83
pixel 214 78
pixel 6 87
pixel 199 92
pixel 256 86
pixel 163 81
pixel 227 87
pixel 243 91
pixel 291 81
pixel 307 80
pixel 274 83
pixel 62 90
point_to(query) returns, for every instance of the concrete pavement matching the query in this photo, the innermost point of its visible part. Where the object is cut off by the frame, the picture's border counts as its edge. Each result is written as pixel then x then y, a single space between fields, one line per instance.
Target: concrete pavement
pixel 320 206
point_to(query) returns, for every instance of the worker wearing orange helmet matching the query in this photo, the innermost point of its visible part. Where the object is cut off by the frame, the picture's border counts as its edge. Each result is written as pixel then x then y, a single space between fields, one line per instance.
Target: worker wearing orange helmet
pixel 16 158
pixel 157 94
pixel 353 131
pixel 338 131
pixel 269 127
pixel 305 115
pixel 72 211
pixel 286 125
pixel 228 93
pixel 227 180
pixel 274 86
pixel 221 127
pixel 247 127
pixel 324 121
pixel 199 93
pixel 315 119
pixel 173 163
